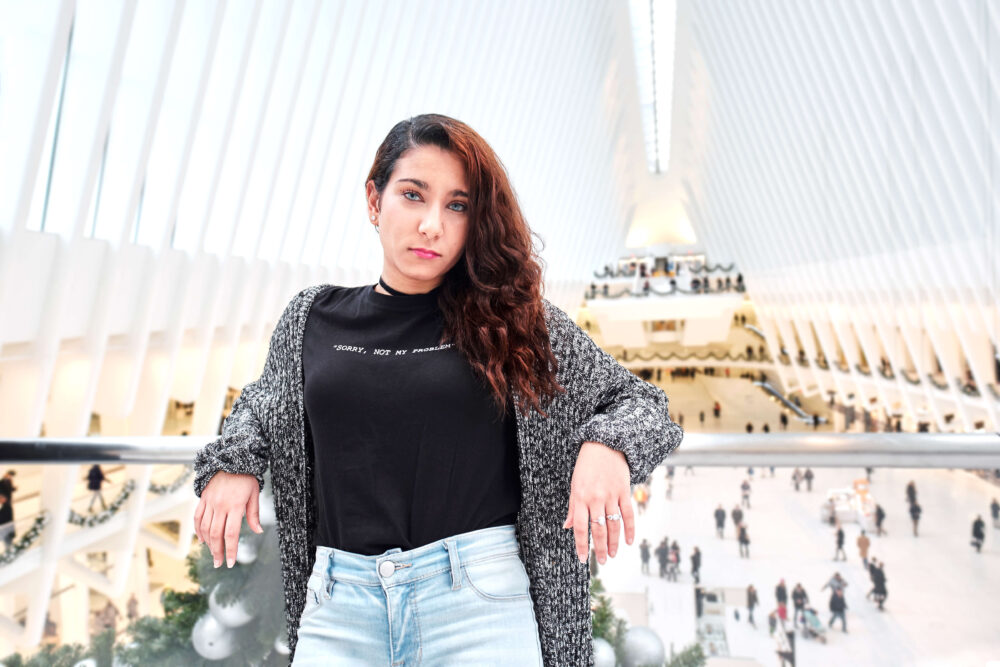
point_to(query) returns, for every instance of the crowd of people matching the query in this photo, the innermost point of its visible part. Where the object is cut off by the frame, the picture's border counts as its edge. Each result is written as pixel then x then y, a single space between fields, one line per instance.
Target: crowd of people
pixel 669 558
pixel 805 615
pixel 702 284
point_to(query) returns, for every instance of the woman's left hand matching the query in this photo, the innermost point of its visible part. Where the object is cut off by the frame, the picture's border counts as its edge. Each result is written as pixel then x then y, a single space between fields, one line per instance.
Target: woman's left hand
pixel 600 486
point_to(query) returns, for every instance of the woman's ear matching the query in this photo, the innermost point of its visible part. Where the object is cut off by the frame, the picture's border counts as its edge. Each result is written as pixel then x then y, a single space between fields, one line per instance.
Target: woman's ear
pixel 371 198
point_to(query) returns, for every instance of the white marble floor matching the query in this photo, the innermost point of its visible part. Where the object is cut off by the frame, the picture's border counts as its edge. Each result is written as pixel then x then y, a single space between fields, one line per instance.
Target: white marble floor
pixel 943 606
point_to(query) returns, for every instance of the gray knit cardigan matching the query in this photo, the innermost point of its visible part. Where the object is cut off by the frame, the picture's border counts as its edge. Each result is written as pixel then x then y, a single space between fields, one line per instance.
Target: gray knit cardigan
pixel 604 402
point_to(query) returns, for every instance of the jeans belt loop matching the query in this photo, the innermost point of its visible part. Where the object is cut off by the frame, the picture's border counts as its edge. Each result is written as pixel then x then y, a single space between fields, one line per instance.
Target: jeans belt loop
pixel 329 576
pixel 456 572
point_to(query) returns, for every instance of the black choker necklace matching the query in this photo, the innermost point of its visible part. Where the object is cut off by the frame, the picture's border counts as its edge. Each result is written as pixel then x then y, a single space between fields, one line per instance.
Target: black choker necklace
pixel 396 292
pixel 389 289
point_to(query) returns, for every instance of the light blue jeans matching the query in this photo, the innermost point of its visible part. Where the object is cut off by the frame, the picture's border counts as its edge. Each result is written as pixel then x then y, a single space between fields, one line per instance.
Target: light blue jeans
pixel 460 600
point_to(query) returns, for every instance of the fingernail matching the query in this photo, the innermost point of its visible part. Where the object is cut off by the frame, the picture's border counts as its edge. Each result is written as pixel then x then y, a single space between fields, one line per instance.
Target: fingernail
pixel 230 561
pixel 611 553
pixel 218 562
pixel 601 560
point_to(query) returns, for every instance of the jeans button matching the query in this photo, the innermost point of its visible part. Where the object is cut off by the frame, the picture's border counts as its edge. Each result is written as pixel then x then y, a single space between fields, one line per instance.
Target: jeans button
pixel 386 568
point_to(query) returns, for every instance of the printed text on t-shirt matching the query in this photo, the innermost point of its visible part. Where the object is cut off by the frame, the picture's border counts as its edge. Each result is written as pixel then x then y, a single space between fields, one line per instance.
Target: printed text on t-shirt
pixel 384 352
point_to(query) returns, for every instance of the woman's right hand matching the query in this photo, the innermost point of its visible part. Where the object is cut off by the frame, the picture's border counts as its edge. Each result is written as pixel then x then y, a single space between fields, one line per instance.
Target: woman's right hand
pixel 220 512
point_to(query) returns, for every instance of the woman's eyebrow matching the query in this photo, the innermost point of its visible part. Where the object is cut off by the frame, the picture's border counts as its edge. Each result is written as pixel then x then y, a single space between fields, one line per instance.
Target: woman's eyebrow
pixel 421 184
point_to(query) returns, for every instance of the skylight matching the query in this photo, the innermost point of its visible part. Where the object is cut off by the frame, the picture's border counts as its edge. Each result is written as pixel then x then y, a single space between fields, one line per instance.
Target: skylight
pixel 653 35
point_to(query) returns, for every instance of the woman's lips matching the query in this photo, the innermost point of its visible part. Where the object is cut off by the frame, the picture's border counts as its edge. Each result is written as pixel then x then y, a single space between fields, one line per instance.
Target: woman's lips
pixel 423 254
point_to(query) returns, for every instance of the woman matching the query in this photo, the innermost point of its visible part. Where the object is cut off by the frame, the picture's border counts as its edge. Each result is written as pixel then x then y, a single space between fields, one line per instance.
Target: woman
pixel 441 444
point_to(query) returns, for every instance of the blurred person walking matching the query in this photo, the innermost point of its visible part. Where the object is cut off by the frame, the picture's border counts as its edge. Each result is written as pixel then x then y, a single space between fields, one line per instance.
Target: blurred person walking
pixel 799 600
pixel 978 533
pixel 752 601
pixel 7 487
pixel 840 544
pixel 6 520
pixel 737 515
pixel 879 518
pixel 644 554
pixel 863 544
pixel 720 520
pixel 780 592
pixel 662 553
pixel 96 478
pixel 836 582
pixel 915 511
pixel 673 561
pixel 838 607
pixel 744 541
pixel 878 578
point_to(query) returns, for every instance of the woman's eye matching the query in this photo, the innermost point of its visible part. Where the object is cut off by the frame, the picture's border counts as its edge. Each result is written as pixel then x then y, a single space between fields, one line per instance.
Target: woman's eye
pixel 416 197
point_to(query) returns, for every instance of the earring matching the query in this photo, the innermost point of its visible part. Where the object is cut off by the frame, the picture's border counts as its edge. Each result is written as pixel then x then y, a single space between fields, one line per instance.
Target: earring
pixel 373 217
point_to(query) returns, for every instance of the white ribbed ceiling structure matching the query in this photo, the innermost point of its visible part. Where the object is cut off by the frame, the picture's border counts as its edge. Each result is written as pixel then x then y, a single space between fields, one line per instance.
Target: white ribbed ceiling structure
pixel 173 172
pixel 845 154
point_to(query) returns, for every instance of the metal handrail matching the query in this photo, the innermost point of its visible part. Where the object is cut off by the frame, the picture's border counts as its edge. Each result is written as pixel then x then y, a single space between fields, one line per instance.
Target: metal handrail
pixel 143 449
pixel 900 450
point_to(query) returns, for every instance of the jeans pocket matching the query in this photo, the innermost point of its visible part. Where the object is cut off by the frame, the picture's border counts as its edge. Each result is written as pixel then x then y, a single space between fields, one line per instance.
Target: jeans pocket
pixel 314 596
pixel 498 578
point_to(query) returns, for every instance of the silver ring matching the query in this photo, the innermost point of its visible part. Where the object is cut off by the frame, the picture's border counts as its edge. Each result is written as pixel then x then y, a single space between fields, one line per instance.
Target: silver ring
pixel 599 521
pixel 614 517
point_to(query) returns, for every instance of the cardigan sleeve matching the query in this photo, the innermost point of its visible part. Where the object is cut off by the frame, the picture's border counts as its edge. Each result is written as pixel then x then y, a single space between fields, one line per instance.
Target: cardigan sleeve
pixel 626 413
pixel 244 447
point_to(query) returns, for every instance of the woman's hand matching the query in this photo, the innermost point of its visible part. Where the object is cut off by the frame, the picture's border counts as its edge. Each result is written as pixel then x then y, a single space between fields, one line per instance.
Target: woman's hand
pixel 600 486
pixel 219 513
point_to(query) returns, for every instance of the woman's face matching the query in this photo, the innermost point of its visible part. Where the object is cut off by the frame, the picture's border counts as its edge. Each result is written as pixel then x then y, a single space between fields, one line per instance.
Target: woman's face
pixel 425 205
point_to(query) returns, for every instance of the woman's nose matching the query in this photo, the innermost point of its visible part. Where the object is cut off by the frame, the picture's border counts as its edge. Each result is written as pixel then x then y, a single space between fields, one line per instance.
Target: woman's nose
pixel 431 224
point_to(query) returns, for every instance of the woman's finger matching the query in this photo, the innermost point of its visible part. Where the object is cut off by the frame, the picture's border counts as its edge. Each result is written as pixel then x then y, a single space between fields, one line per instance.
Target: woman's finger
pixel 216 535
pixel 628 515
pixel 233 521
pixel 613 526
pixel 198 512
pixel 568 523
pixel 206 526
pixel 253 511
pixel 599 530
pixel 580 533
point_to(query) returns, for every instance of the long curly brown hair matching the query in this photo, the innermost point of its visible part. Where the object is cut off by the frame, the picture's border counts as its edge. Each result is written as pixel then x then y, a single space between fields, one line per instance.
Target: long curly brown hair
pixel 491 298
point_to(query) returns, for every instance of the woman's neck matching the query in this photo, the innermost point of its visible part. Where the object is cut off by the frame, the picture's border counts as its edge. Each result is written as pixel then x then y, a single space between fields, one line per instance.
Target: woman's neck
pixel 384 287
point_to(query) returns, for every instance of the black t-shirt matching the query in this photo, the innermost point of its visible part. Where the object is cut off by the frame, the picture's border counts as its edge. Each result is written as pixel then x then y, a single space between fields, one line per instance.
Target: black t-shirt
pixel 407 447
